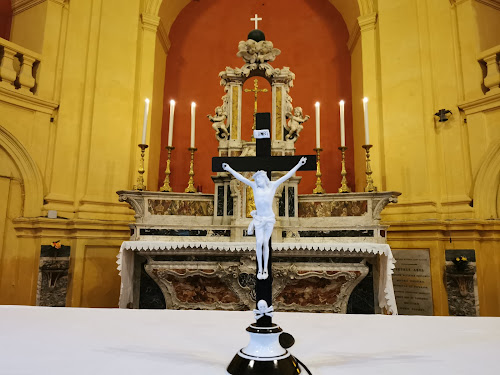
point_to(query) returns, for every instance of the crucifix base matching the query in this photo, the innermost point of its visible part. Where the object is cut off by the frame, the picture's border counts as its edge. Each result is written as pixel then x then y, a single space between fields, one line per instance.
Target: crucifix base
pixel 264 355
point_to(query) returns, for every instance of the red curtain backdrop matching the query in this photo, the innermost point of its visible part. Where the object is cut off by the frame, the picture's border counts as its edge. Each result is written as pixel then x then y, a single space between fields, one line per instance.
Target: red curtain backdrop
pixel 312 37
pixel 5 18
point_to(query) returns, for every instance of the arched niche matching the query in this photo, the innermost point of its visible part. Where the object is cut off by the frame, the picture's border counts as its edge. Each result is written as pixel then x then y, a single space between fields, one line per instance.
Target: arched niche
pixel 486 192
pixel 350 10
pixel 32 182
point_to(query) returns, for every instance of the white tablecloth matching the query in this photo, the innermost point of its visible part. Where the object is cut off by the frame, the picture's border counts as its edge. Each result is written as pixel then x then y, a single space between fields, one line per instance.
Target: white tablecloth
pixel 386 297
pixel 61 341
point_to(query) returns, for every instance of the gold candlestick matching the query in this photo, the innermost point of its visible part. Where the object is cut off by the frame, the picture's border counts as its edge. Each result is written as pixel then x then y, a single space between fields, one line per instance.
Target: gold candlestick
pixel 318 189
pixel 369 180
pixel 343 187
pixel 140 180
pixel 166 183
pixel 190 188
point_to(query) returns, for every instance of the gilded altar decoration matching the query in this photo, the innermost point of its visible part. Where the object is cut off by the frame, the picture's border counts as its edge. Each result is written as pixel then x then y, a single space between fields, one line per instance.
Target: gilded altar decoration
pixel 250 202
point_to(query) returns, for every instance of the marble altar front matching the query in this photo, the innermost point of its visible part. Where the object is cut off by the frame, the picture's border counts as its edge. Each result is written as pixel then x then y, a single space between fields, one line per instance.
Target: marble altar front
pixel 200 256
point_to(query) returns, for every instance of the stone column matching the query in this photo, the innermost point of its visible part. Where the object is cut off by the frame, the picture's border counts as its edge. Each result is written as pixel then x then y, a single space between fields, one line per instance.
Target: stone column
pixel 371 89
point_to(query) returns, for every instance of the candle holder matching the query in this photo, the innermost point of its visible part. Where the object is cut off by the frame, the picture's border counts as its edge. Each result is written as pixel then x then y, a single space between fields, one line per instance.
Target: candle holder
pixel 140 180
pixel 369 180
pixel 319 188
pixel 190 188
pixel 343 187
pixel 166 183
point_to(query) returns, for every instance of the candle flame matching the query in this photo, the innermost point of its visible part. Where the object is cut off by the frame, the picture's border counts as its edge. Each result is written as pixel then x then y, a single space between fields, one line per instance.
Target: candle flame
pixel 341 102
pixel 365 100
pixel 317 104
pixel 147 100
pixel 172 101
pixel 193 104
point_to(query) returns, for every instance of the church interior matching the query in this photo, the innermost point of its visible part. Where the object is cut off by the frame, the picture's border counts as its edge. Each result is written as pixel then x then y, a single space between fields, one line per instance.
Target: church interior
pixel 74 76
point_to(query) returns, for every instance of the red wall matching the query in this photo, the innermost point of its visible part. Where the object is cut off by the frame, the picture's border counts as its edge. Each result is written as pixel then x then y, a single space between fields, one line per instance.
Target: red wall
pixel 5 18
pixel 312 37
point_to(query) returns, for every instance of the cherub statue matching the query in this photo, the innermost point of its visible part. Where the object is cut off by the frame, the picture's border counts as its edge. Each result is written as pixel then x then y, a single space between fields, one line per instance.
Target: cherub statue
pixel 263 218
pixel 262 310
pixel 218 123
pixel 247 50
pixel 294 125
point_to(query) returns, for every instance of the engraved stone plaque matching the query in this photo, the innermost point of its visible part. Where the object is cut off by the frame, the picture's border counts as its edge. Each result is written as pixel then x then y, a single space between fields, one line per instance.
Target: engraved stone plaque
pixel 412 282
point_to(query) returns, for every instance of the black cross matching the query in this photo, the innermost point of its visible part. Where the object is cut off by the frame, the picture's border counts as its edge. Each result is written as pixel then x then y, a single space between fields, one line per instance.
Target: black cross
pixel 265 162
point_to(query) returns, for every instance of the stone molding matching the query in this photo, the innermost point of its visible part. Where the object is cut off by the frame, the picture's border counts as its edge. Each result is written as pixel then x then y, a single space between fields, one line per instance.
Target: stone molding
pixel 43 227
pixel 150 22
pixel 32 178
pixel 151 7
pixel 354 35
pixel 163 36
pixel 28 101
pixel 368 22
pixel 19 6
pixel 486 103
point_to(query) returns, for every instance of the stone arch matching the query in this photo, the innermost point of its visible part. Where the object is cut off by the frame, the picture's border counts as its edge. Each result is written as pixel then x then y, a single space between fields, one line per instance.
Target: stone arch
pixel 349 10
pixel 32 178
pixel 487 184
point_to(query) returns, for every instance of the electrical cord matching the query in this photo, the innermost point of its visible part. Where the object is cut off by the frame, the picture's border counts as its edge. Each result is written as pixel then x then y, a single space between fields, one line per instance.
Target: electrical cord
pixel 303 366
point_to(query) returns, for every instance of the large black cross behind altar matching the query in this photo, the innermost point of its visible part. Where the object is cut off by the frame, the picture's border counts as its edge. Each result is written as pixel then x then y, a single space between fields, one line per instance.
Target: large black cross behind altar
pixel 265 162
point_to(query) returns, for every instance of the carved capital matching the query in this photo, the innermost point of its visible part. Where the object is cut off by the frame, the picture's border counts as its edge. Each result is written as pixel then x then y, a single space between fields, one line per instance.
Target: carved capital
pixel 150 22
pixel 368 22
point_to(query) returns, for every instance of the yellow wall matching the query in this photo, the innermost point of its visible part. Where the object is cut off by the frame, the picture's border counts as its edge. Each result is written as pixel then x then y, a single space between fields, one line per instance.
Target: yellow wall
pixel 74 143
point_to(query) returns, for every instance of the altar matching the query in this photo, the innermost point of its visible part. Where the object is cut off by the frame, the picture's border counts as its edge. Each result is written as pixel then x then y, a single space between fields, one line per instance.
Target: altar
pixel 320 255
pixel 197 251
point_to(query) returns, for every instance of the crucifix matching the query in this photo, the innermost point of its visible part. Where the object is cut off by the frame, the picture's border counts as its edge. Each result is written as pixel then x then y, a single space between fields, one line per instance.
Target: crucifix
pixel 256 92
pixel 264 189
pixel 256 19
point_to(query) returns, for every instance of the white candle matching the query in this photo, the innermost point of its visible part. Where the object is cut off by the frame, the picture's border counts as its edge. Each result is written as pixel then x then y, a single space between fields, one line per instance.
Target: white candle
pixel 193 111
pixel 145 124
pixel 365 109
pixel 342 124
pixel 171 123
pixel 317 126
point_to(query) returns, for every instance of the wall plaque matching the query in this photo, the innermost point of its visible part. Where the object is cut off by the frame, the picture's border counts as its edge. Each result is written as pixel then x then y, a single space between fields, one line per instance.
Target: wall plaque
pixel 412 282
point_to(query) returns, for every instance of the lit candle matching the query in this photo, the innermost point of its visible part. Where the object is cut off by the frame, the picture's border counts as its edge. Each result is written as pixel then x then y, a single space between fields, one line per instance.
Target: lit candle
pixel 193 110
pixel 145 124
pixel 317 126
pixel 365 109
pixel 342 125
pixel 171 123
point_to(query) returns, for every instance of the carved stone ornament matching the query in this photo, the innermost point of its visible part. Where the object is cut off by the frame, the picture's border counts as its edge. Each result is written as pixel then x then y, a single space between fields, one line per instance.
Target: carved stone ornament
pixel 260 52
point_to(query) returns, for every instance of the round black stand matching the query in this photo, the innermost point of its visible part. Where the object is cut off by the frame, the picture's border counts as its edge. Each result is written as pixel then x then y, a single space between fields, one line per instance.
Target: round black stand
pixel 264 355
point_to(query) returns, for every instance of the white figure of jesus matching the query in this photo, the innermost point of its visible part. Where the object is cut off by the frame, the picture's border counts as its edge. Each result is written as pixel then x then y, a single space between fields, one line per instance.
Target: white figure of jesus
pixel 263 218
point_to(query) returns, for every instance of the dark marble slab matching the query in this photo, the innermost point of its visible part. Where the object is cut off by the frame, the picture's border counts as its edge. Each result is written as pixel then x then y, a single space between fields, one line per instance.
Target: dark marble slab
pixel 230 202
pixel 183 232
pixel 150 295
pixel 281 204
pixel 291 201
pixel 220 201
pixel 333 209
pixel 362 300
pixel 333 233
